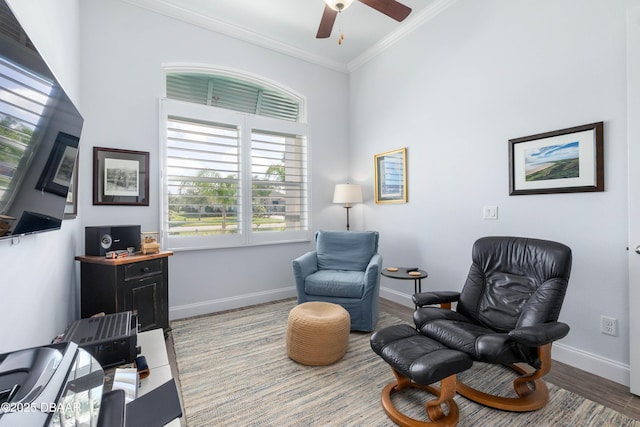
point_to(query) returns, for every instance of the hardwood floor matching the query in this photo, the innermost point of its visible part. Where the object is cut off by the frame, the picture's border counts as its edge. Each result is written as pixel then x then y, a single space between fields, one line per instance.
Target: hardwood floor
pixel 593 387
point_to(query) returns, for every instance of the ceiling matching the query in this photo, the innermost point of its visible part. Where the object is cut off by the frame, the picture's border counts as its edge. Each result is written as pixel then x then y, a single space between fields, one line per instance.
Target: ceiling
pixel 290 26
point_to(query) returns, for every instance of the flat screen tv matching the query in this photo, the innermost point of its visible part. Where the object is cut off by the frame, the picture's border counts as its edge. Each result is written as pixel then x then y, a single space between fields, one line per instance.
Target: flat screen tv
pixel 39 135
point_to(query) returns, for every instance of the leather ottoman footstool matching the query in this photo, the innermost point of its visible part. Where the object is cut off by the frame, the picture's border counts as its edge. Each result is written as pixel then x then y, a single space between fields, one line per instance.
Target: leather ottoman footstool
pixel 318 333
pixel 418 361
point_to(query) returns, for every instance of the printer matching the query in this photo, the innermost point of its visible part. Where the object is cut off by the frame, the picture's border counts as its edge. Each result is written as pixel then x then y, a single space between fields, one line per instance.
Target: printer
pixel 111 339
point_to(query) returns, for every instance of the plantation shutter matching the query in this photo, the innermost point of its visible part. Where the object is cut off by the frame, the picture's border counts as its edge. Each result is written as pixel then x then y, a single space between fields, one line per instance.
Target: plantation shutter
pixel 279 187
pixel 203 177
pixel 231 94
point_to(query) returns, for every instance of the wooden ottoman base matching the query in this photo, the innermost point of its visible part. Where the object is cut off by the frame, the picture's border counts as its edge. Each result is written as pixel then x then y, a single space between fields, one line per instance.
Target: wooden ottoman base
pixel 418 362
pixel 434 407
pixel 318 333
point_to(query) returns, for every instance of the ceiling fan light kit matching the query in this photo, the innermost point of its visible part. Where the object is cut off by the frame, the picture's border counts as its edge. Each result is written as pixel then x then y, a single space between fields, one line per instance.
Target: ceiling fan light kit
pixel 338 5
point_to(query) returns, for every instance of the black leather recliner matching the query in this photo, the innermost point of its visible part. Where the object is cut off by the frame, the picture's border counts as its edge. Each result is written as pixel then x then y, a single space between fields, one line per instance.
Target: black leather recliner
pixel 506 313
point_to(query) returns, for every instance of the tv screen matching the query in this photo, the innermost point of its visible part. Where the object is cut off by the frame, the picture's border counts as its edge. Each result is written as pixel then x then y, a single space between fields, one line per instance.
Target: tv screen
pixel 39 136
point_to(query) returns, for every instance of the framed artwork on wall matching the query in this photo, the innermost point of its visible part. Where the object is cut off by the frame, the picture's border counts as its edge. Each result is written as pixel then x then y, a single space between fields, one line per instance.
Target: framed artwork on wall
pixel 563 161
pixel 120 177
pixel 56 175
pixel 391 176
pixel 71 205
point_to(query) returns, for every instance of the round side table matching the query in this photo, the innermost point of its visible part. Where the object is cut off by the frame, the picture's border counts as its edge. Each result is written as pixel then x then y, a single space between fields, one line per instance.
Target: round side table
pixel 402 274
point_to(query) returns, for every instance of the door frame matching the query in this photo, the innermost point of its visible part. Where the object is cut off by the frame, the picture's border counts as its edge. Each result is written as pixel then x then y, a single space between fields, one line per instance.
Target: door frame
pixel 633 143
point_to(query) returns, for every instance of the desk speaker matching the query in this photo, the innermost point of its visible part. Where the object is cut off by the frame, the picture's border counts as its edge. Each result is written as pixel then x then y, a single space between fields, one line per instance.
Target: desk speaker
pixel 102 239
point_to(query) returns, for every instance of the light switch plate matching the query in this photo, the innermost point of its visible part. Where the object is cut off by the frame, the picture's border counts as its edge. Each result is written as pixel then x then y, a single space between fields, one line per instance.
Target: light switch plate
pixel 490 212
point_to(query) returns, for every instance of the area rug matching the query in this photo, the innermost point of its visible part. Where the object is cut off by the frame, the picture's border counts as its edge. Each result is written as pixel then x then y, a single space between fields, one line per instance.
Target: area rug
pixel 234 371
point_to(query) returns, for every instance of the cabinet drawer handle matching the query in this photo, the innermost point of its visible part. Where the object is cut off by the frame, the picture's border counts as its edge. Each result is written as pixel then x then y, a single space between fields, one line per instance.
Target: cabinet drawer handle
pixel 144 270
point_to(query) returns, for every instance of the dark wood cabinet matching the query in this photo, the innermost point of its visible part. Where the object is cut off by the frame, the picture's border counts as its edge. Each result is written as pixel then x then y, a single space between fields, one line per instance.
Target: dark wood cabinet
pixel 138 283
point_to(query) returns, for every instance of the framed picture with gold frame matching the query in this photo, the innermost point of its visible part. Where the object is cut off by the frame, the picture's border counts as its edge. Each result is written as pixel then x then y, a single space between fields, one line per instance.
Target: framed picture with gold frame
pixel 391 176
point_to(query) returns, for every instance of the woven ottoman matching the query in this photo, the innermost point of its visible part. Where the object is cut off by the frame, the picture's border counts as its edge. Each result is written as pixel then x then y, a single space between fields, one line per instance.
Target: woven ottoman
pixel 318 333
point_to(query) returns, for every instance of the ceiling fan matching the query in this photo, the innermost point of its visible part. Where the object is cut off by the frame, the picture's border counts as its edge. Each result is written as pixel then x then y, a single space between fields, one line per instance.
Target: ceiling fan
pixel 391 8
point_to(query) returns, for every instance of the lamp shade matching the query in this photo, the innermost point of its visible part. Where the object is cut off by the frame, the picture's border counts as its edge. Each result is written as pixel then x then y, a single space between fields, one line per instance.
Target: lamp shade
pixel 347 193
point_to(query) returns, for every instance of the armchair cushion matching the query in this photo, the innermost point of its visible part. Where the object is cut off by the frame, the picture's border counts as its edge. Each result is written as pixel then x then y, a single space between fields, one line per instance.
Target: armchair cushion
pixel 334 283
pixel 480 343
pixel 345 250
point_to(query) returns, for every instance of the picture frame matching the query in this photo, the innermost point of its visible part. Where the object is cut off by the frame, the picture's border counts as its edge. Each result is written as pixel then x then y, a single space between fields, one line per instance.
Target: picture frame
pixel 58 171
pixel 71 205
pixel 391 176
pixel 563 161
pixel 120 177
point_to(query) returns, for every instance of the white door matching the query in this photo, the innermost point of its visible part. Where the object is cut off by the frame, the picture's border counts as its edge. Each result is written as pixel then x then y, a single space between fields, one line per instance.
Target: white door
pixel 633 129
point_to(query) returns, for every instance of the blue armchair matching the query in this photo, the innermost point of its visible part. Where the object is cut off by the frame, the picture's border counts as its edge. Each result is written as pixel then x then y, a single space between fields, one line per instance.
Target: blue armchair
pixel 344 269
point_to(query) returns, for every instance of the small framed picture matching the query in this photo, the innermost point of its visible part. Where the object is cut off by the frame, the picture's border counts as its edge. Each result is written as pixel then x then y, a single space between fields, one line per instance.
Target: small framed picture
pixel 71 205
pixel 58 171
pixel 120 177
pixel 563 161
pixel 391 176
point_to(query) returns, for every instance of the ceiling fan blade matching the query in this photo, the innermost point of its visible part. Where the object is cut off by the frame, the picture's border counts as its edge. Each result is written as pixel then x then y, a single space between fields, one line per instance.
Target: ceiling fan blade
pixel 391 8
pixel 326 23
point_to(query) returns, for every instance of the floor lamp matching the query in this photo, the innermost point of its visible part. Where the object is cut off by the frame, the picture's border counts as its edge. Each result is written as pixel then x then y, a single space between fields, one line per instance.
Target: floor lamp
pixel 347 194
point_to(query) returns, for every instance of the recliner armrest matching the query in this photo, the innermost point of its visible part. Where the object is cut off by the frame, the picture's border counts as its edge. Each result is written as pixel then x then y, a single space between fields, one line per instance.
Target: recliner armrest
pixel 544 333
pixel 437 297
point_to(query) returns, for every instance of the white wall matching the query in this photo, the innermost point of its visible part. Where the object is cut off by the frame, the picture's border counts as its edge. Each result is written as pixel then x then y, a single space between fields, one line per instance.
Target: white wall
pixel 38 282
pixel 123 49
pixel 474 77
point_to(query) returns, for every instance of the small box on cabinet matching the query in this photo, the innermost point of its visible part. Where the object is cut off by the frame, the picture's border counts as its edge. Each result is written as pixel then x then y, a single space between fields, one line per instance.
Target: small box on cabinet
pixel 149 242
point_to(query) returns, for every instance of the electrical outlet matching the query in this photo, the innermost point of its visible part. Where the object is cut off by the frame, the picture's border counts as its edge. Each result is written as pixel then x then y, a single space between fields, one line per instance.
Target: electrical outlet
pixel 609 325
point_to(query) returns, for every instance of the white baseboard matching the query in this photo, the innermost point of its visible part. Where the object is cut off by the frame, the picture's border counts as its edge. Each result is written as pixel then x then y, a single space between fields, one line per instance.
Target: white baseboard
pixel 589 362
pixel 395 296
pixel 592 363
pixel 213 306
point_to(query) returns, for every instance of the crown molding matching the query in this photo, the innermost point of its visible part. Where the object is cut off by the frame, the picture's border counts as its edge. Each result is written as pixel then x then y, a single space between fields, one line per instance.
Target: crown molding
pixel 208 23
pixel 410 25
pixel 234 31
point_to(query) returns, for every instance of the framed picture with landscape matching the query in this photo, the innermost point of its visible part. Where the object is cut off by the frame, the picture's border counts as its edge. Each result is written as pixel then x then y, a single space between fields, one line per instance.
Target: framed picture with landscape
pixel 563 161
pixel 120 177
